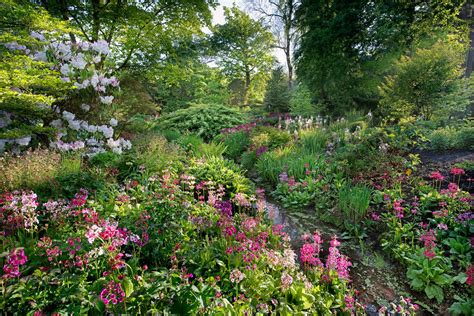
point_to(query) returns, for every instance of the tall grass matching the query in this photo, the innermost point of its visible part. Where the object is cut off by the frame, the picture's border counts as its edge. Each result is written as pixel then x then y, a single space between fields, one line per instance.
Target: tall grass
pixel 35 168
pixel 288 159
pixel 354 202
pixel 314 141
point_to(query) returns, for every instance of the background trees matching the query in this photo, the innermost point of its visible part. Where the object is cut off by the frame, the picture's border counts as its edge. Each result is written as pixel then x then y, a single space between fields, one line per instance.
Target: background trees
pixel 346 46
pixel 242 47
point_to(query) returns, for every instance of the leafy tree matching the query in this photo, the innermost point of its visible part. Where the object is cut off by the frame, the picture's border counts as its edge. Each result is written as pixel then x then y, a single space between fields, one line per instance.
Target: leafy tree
pixel 28 85
pixel 139 31
pixel 341 39
pixel 425 82
pixel 277 96
pixel 242 47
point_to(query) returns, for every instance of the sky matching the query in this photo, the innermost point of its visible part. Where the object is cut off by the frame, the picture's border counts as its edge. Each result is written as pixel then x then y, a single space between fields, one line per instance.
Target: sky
pixel 218 18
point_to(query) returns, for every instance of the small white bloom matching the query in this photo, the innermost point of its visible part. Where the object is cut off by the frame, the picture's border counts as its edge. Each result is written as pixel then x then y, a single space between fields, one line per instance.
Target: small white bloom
pixel 78 61
pixel 107 100
pixel 57 123
pixel 68 116
pixel 40 56
pixel 85 107
pixel 24 141
pixel 65 70
pixel 113 122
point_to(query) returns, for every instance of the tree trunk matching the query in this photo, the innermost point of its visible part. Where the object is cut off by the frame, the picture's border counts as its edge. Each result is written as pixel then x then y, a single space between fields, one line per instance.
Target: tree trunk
pixel 467 14
pixel 288 26
pixel 246 88
pixel 95 20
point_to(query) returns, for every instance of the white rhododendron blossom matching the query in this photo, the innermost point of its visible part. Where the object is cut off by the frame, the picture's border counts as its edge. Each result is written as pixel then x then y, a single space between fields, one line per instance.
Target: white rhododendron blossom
pixel 80 64
pixel 107 100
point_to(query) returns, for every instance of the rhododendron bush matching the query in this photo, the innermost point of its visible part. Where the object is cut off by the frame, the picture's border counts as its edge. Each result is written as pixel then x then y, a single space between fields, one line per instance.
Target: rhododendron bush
pixel 85 69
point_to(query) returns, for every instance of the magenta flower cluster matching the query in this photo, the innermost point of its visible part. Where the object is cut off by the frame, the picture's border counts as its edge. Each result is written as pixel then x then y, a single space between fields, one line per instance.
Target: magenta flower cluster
pixel 112 293
pixel 15 259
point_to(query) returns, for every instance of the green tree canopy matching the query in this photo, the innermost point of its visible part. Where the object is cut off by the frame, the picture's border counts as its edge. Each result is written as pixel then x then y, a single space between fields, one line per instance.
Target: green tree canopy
pixel 243 48
pixel 342 40
pixel 138 31
pixel 28 85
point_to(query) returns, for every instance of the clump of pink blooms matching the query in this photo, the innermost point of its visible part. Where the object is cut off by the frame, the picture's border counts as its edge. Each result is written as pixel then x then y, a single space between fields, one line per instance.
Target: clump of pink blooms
pixel 19 210
pixel 336 261
pixel 112 293
pixel 436 175
pixel 398 208
pixel 15 259
pixel 309 256
pixel 429 243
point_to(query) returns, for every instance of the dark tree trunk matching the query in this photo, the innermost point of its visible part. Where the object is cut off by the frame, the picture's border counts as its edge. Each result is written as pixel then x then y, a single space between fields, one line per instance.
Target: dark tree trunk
pixel 288 25
pixel 95 20
pixel 247 87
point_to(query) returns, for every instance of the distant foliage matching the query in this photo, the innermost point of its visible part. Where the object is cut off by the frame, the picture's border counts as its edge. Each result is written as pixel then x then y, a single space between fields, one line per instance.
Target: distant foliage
pixel 203 120
pixel 301 102
pixel 425 83
pixel 277 95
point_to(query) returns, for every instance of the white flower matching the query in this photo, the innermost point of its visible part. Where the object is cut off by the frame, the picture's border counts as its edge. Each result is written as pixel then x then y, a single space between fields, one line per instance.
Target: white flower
pixel 96 59
pixel 117 150
pixel 101 47
pixel 24 141
pixel 68 116
pixel 91 128
pixel 113 122
pixel 94 80
pixel 78 61
pixel 40 56
pixel 57 123
pixel 65 70
pixel 74 125
pixel 85 107
pixel 37 35
pixel 83 46
pixel 62 51
pixel 107 100
pixel 106 130
pixel 126 144
pixel 113 143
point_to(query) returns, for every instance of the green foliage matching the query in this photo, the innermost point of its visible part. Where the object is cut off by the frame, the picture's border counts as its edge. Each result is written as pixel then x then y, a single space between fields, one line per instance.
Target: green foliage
pixel 182 80
pixel 242 46
pixel 423 81
pixel 271 164
pixel 277 95
pixel 314 141
pixel 354 202
pixel 221 172
pixel 339 57
pixel 452 138
pixel 270 137
pixel 28 88
pixel 150 153
pixel 301 102
pixel 134 98
pixel 203 120
pixel 142 31
pixel 212 149
pixel 189 142
pixel 429 275
pixel 235 143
